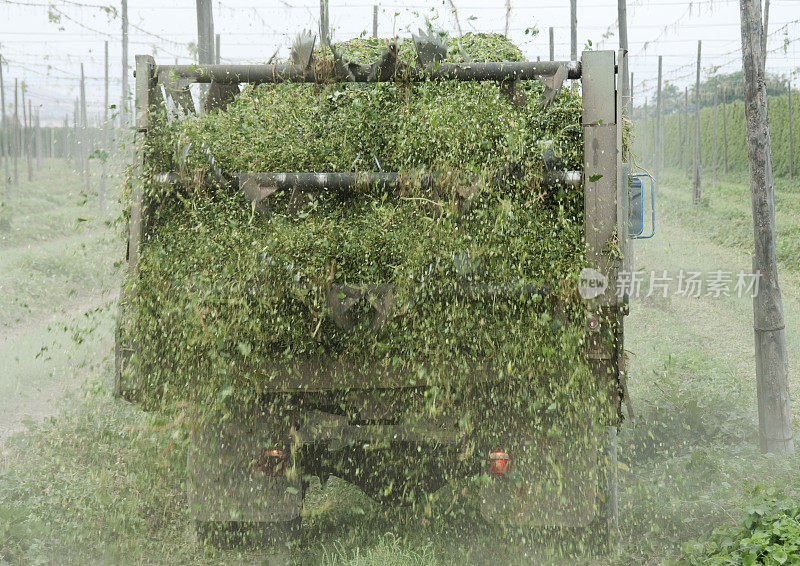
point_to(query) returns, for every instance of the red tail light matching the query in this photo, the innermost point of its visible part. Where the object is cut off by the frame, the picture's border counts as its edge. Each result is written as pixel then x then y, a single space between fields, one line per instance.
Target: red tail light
pixel 272 462
pixel 498 462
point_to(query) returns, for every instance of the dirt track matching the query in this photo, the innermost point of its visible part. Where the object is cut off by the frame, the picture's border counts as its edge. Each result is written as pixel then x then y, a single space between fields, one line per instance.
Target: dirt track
pixel 44 380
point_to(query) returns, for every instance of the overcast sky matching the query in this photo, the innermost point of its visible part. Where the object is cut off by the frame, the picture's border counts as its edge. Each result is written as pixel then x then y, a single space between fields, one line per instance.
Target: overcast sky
pixel 45 42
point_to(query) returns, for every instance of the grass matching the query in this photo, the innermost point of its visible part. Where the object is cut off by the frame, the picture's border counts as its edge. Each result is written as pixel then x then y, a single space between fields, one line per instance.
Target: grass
pixel 100 481
pixel 692 458
pixel 725 214
pixel 56 247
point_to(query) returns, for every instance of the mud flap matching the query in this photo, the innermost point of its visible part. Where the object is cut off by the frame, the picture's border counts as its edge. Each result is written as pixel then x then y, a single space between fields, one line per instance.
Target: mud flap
pixel 228 480
pixel 553 482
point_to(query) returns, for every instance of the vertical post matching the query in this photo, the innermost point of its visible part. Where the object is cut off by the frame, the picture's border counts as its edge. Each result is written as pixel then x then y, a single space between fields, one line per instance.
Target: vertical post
pixel 324 22
pixel 772 371
pixel 508 16
pixel 682 137
pixel 16 135
pixel 646 133
pixel 573 26
pixel 24 126
pixel 205 41
pixel 375 20
pixel 84 133
pixel 714 143
pixel 6 143
pixel 123 110
pixel 622 19
pixel 38 141
pixel 663 143
pixel 216 49
pixel 696 183
pixel 76 154
pixel 101 191
pixel 28 134
pixel 791 133
pixel 686 123
pixel 65 150
pixel 205 33
pixel 657 139
pixel 23 144
pixel 126 378
pixel 604 202
pixel 552 46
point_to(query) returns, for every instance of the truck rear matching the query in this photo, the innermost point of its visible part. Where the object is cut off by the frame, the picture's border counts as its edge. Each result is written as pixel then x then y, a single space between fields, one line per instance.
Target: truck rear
pixel 400 329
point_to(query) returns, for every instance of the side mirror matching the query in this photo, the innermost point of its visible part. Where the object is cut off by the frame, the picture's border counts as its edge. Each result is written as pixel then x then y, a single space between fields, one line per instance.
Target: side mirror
pixel 636 207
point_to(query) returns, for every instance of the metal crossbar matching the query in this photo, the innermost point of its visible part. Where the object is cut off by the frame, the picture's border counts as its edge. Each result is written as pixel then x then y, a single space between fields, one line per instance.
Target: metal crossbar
pixel 236 74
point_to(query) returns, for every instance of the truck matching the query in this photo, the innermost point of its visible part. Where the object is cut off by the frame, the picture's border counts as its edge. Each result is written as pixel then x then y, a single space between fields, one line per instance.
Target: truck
pixel 254 469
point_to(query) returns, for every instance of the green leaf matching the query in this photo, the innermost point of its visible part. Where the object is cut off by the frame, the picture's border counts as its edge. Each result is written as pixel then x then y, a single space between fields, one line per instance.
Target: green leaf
pixel 595 178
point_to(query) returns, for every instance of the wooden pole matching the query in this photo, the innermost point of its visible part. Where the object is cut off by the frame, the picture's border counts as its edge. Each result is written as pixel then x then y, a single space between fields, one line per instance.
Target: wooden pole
pixel 573 26
pixel 28 135
pixel 552 46
pixel 123 111
pixel 657 141
pixel 37 141
pixel 84 133
pixel 696 184
pixel 324 22
pixel 682 136
pixel 686 125
pixel 724 131
pixel 375 20
pixel 772 373
pixel 764 34
pixel 101 191
pixel 216 49
pixel 714 144
pixel 663 145
pixel 66 148
pixel 16 135
pixel 6 141
pixel 24 126
pixel 646 132
pixel 508 16
pixel 76 156
pixel 791 133
pixel 205 41
pixel 205 33
pixel 622 19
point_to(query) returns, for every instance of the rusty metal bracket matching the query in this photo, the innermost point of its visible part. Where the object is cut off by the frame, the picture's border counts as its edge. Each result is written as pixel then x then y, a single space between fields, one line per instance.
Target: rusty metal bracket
pixel 386 67
pixel 552 85
pixel 431 50
pixel 220 95
pixel 302 51
pixel 342 68
pixel 176 88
